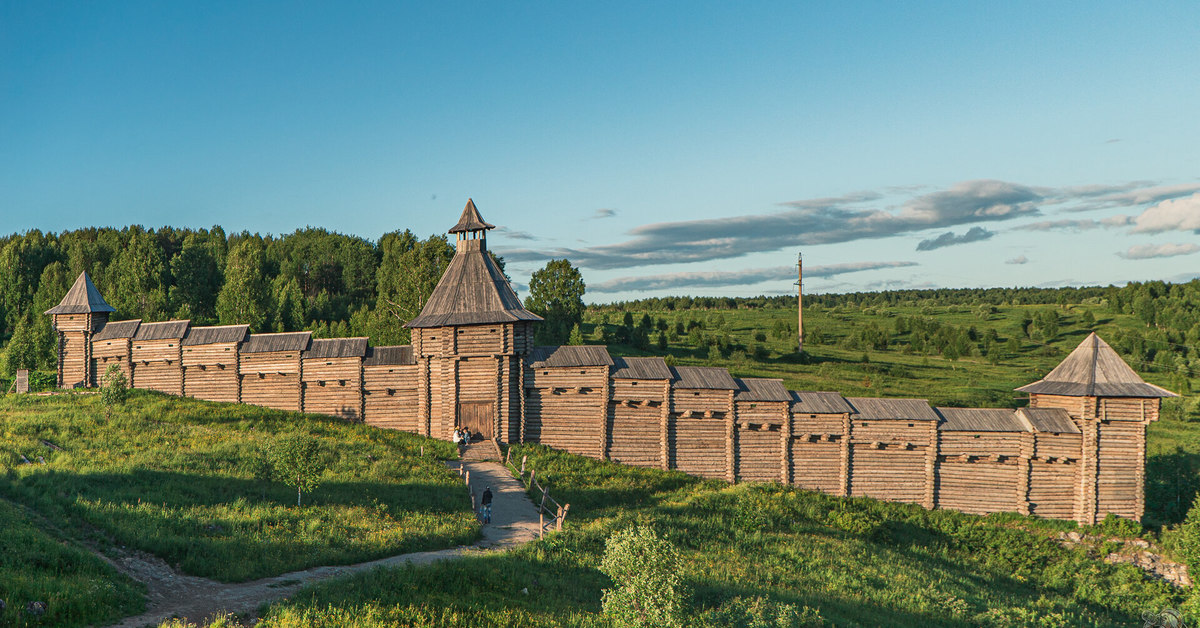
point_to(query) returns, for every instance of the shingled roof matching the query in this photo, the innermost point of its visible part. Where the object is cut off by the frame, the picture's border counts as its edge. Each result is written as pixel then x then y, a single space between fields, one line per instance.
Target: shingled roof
pixel 389 356
pixel 337 348
pixel 1094 370
pixel 1055 420
pixel 980 420
pixel 215 335
pixel 760 389
pixel 711 377
pixel 82 298
pixel 569 356
pixel 471 220
pixel 893 409
pixel 640 368
pixel 472 291
pixel 812 402
pixel 118 329
pixel 285 341
pixel 166 330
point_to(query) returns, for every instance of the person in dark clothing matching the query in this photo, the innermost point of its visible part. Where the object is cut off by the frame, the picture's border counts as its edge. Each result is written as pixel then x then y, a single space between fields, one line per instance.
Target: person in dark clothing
pixel 485 504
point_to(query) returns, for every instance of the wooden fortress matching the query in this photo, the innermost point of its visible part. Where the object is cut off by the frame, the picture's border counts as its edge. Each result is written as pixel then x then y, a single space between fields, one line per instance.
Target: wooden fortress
pixel 1076 452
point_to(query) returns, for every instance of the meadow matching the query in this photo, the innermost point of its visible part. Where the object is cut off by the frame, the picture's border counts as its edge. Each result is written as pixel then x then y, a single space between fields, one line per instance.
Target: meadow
pixel 754 555
pixel 181 479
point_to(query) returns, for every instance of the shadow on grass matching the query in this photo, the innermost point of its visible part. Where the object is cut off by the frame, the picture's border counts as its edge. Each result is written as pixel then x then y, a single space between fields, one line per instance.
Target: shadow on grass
pixel 1172 482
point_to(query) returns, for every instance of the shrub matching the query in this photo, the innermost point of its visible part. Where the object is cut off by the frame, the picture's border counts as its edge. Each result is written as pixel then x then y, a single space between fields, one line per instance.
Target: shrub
pixel 649 589
pixel 1188 537
pixel 113 389
pixel 761 612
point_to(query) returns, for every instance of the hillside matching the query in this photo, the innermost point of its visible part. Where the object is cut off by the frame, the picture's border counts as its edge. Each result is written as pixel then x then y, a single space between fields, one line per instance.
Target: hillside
pixel 754 553
pixel 181 479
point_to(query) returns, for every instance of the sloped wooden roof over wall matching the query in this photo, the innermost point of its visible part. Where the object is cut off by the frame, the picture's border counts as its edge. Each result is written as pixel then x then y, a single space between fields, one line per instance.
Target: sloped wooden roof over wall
pixel 337 348
pixel 700 377
pixel 814 402
pixel 396 355
pixel 1094 369
pixel 759 389
pixel 118 329
pixel 1049 420
pixel 285 341
pixel 569 356
pixel 640 368
pixel 980 420
pixel 166 330
pixel 892 409
pixel 216 335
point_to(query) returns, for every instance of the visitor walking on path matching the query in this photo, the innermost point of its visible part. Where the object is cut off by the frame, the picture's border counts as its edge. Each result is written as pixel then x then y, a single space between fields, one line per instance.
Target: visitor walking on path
pixel 485 505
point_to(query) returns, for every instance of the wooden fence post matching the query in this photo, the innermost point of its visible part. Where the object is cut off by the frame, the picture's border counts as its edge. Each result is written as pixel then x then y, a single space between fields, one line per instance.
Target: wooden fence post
pixel 523 459
pixel 565 508
pixel 541 524
pixel 532 472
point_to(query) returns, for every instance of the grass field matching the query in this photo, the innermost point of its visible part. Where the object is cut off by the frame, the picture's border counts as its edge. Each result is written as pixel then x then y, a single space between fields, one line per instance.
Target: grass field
pixel 176 478
pixel 850 562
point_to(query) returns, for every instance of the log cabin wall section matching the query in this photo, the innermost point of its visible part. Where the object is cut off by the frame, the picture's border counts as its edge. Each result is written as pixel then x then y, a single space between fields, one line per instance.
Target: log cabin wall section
pixel 566 400
pixel 157 356
pixel 893 449
pixel 332 377
pixel 270 368
pixel 390 378
pixel 211 364
pixel 820 441
pixel 637 411
pixel 701 422
pixel 761 437
pixel 113 344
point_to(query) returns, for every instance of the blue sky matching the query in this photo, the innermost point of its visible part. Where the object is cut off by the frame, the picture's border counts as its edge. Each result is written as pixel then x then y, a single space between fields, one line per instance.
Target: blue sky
pixel 676 148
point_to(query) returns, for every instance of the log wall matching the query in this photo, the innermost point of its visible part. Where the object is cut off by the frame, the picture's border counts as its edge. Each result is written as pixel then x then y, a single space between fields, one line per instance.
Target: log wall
pixel 635 413
pixel 761 441
pixel 820 452
pixel 271 379
pixel 700 432
pixel 566 408
pixel 158 365
pixel 888 459
pixel 113 351
pixel 211 372
pixel 333 386
pixel 980 472
pixel 390 396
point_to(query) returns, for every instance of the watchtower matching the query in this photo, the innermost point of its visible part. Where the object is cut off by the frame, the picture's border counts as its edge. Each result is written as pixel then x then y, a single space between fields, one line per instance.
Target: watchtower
pixel 470 341
pixel 80 314
pixel 1112 406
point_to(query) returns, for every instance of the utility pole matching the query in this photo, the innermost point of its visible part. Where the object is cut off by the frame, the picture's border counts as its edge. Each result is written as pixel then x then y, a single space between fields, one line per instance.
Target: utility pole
pixel 800 303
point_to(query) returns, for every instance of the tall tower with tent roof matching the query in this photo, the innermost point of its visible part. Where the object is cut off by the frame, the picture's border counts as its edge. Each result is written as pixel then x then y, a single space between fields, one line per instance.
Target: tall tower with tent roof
pixel 80 314
pixel 1112 406
pixel 470 342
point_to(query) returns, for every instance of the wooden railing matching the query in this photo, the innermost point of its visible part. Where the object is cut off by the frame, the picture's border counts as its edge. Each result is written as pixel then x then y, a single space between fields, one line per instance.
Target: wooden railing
pixel 545 503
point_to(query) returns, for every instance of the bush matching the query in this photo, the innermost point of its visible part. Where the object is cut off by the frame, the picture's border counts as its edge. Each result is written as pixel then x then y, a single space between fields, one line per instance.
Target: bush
pixel 114 389
pixel 760 612
pixel 1188 537
pixel 649 589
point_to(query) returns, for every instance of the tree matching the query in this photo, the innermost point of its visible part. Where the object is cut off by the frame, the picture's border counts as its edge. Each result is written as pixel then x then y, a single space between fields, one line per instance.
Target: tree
pixel 556 294
pixel 114 389
pixel 576 337
pixel 197 279
pixel 244 299
pixel 287 305
pixel 297 460
pixel 649 589
pixel 409 272
pixel 138 287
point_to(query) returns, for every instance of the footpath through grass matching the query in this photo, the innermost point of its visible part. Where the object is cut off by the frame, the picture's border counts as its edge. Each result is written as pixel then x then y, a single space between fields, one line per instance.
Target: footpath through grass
pixel 176 478
pixel 750 551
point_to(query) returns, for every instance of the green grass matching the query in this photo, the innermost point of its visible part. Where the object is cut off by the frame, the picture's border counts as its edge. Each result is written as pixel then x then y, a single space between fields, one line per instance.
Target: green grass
pixel 856 562
pixel 38 563
pixel 175 477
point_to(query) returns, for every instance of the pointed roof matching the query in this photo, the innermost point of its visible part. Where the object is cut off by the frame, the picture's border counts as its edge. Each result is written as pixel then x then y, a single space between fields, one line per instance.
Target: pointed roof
pixel 471 220
pixel 1094 370
pixel 472 291
pixel 82 298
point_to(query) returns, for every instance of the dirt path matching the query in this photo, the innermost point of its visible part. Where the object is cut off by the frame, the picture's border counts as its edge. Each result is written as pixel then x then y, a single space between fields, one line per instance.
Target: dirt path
pixel 172 594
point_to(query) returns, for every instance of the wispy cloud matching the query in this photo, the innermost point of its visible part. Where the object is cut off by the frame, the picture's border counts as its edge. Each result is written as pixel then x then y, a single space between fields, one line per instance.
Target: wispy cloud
pixel 513 234
pixel 1151 251
pixel 1181 214
pixel 603 212
pixel 816 221
pixel 1076 225
pixel 733 278
pixel 1020 259
pixel 974 234
pixel 1132 194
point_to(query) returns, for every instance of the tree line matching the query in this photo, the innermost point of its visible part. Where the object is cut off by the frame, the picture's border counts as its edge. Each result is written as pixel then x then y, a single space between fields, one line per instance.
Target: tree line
pixel 335 285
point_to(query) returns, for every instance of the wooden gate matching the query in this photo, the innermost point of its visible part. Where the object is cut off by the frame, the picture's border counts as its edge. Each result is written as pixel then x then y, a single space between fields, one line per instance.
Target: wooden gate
pixel 478 416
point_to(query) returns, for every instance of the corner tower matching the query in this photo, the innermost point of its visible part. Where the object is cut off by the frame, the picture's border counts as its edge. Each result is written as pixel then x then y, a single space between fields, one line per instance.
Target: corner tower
pixel 470 342
pixel 1112 406
pixel 80 314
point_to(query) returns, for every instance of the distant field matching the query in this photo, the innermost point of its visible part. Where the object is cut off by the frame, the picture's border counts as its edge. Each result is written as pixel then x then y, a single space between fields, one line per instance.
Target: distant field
pixel 852 562
pixel 175 477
